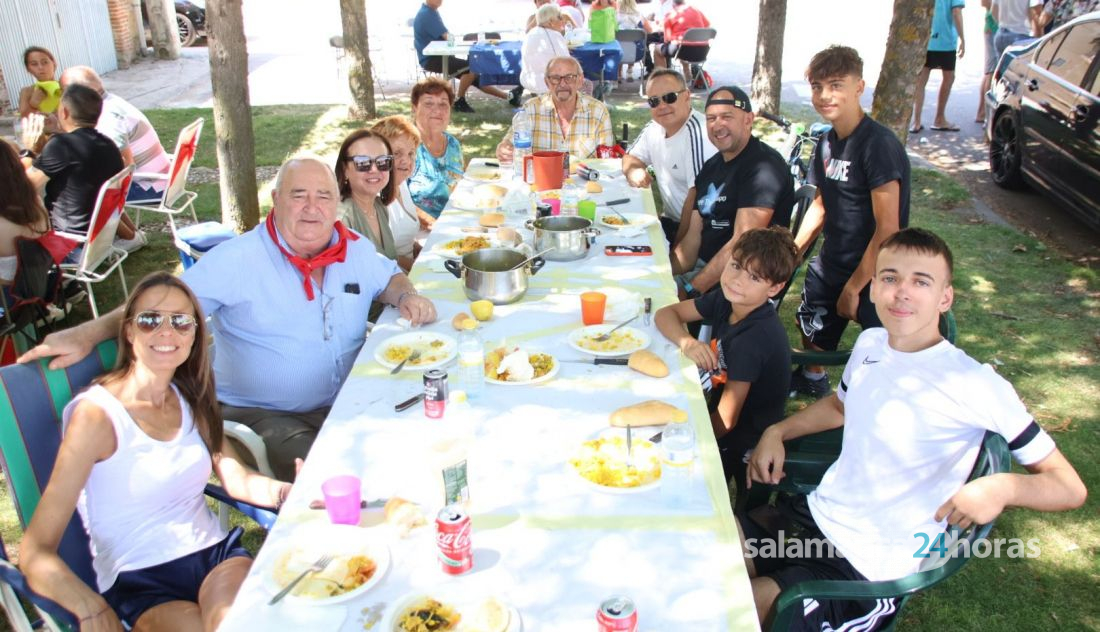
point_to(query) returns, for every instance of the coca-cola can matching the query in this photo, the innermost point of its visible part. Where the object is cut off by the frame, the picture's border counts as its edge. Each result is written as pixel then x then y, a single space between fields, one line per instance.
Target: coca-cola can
pixel 543 210
pixel 435 393
pixel 452 534
pixel 617 614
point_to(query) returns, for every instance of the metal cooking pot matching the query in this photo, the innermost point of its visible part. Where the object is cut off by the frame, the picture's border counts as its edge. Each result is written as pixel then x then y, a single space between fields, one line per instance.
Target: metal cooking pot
pixel 487 274
pixel 568 236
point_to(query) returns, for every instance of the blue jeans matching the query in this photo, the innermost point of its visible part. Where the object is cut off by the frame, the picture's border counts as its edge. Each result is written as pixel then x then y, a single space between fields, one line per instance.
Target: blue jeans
pixel 1005 38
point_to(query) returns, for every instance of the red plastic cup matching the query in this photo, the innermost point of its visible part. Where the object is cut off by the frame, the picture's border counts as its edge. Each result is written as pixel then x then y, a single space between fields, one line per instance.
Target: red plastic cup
pixel 343 495
pixel 592 306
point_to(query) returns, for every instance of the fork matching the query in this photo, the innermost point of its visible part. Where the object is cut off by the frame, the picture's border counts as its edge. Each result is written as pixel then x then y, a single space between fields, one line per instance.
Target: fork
pixel 607 335
pixel 414 356
pixel 317 567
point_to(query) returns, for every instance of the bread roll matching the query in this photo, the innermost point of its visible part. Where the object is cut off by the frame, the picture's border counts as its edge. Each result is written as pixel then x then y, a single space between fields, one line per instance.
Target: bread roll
pixel 648 413
pixel 491 220
pixel 593 187
pixel 648 363
pixel 459 319
pixel 404 515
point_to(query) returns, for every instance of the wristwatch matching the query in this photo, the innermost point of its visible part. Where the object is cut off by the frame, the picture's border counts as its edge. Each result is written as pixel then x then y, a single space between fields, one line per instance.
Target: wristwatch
pixel 26 153
pixel 691 291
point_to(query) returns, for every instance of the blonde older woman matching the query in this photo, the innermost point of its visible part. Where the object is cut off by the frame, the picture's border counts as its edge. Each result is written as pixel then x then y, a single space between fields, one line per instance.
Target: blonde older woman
pixel 541 44
pixel 405 217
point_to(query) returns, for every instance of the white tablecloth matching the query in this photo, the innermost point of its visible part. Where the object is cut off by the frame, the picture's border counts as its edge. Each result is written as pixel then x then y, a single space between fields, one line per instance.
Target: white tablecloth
pixel 545 541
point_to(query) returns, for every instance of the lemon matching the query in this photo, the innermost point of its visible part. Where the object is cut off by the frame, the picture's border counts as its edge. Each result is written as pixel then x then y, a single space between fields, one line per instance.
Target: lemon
pixel 483 310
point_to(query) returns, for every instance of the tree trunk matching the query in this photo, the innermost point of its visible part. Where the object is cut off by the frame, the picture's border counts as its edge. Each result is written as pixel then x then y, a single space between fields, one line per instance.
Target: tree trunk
pixel 232 114
pixel 905 53
pixel 165 31
pixel 767 70
pixel 353 16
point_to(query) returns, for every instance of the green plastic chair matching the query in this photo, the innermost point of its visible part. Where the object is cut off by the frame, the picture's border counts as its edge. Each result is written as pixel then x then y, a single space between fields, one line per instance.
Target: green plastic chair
pixel 804 475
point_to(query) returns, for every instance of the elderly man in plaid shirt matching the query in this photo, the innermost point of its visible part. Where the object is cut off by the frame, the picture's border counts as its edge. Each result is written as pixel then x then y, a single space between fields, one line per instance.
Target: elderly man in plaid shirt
pixel 563 119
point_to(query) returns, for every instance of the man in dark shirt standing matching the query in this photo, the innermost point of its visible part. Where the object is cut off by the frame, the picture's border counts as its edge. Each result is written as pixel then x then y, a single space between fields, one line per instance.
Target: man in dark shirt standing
pixel 862 178
pixel 745 185
pixel 74 165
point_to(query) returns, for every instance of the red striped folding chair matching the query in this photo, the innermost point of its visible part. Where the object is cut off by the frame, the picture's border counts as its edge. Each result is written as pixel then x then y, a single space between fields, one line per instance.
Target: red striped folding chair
pixel 99 257
pixel 176 198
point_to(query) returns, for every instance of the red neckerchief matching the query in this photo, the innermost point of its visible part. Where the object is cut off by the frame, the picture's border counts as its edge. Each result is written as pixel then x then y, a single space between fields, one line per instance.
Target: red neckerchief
pixel 335 253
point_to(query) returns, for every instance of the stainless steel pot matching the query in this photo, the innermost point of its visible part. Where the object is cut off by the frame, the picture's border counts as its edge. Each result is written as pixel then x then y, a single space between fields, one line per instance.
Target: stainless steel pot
pixel 487 274
pixel 568 236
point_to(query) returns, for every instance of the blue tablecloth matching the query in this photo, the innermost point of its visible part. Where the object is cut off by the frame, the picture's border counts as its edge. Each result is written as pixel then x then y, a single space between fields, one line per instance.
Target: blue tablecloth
pixel 496 64
pixel 499 64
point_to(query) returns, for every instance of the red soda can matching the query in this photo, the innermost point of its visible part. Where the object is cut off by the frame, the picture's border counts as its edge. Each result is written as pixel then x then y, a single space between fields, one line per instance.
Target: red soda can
pixel 452 534
pixel 617 614
pixel 435 393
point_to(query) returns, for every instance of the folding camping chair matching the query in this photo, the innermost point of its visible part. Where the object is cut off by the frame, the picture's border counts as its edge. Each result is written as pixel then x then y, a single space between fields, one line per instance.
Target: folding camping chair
pixel 176 198
pixel 26 302
pixel 98 245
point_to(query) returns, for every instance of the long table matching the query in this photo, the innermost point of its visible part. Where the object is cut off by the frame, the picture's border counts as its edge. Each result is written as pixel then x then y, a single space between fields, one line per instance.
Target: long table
pixel 545 541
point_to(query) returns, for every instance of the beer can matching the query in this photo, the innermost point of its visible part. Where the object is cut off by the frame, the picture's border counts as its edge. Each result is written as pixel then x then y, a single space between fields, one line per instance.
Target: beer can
pixel 588 173
pixel 617 614
pixel 452 535
pixel 543 210
pixel 435 393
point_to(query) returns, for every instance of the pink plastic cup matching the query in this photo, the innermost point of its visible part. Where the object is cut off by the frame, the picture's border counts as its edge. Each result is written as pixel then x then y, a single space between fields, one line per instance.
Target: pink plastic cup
pixel 555 205
pixel 343 495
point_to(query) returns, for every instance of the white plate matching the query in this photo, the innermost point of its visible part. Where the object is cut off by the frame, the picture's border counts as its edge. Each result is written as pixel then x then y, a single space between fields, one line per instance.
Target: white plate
pixel 576 335
pixel 325 539
pixel 637 220
pixel 612 433
pixel 429 359
pixel 462 599
pixel 606 166
pixel 538 380
pixel 441 248
pixel 482 173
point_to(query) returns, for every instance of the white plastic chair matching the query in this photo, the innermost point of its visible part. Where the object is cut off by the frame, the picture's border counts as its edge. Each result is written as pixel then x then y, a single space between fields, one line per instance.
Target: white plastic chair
pixel 98 245
pixel 176 198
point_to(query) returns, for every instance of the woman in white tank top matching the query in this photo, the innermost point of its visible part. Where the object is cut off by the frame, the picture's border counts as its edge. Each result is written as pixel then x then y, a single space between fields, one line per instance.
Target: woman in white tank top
pixel 138 448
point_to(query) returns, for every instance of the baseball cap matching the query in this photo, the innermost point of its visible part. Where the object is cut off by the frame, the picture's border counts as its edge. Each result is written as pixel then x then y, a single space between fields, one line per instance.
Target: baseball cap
pixel 740 100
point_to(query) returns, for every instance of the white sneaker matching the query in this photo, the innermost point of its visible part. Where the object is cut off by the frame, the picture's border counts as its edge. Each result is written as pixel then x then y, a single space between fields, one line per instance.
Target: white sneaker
pixel 130 245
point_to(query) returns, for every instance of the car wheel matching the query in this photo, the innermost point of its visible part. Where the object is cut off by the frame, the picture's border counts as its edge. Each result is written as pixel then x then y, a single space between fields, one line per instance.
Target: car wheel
pixel 1004 152
pixel 186 28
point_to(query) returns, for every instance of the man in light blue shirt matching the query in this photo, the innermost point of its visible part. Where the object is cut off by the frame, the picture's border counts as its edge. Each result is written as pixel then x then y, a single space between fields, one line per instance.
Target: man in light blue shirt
pixel 947 29
pixel 288 303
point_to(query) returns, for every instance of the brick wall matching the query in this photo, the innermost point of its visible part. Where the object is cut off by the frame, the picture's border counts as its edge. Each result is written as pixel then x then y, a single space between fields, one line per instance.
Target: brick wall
pixel 122 28
pixel 4 105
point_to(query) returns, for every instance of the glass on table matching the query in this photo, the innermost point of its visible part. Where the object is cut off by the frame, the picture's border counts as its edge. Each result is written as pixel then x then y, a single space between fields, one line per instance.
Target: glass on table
pixel 592 307
pixel 343 495
pixel 587 209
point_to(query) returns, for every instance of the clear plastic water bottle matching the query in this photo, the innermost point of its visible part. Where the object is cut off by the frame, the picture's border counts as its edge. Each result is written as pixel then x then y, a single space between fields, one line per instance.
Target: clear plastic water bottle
pixel 521 140
pixel 570 197
pixel 471 363
pixel 677 461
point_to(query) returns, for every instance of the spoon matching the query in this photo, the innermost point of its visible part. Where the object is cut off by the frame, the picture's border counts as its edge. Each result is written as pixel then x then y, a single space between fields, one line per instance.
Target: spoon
pixel 525 261
pixel 606 335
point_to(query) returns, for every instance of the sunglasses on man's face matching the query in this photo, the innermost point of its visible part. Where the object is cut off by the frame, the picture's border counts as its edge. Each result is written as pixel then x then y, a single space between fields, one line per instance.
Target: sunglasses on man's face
pixel 668 98
pixel 150 321
pixel 363 163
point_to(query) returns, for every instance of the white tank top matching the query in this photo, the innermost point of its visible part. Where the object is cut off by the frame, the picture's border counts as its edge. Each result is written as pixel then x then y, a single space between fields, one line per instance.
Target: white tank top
pixel 144 505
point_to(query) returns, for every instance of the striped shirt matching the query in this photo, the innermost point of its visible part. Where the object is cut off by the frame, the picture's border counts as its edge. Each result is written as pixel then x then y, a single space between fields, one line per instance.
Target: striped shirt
pixel 128 128
pixel 591 126
pixel 676 159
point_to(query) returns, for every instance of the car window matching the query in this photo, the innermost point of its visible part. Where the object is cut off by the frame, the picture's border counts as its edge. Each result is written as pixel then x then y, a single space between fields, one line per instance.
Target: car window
pixel 1074 56
pixel 1048 48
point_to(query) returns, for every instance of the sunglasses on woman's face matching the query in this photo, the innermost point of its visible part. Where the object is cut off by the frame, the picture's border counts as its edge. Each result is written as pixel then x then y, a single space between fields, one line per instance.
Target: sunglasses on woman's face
pixel 363 163
pixel 668 98
pixel 150 321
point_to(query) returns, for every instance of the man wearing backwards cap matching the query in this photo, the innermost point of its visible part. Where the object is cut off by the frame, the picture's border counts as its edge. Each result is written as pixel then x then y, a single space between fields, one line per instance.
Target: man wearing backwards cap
pixel 745 185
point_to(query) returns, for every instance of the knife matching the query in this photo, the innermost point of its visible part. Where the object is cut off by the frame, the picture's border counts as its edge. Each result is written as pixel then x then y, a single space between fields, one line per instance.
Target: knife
pixel 408 403
pixel 616 202
pixel 648 311
pixel 615 361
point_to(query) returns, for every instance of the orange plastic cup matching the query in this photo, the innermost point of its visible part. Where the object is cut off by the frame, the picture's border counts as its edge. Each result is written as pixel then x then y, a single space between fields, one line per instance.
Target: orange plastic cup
pixel 592 306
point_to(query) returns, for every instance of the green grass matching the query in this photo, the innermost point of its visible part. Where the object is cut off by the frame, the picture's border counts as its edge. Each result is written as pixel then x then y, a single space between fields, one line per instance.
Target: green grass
pixel 1035 317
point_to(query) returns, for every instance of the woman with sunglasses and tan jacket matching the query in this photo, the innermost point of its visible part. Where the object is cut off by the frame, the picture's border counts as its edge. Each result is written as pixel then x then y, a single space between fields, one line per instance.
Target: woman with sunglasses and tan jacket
pixel 364 170
pixel 139 446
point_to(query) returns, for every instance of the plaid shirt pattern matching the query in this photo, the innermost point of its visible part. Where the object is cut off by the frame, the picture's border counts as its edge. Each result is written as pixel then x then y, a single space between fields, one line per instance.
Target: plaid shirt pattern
pixel 591 126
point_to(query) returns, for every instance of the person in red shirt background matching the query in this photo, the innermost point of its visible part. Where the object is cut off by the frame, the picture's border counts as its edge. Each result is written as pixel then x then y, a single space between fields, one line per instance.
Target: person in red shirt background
pixel 677 22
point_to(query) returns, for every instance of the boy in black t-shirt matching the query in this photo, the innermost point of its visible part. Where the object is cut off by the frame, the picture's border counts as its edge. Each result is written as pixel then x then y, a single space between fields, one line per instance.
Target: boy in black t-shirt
pixel 748 368
pixel 862 178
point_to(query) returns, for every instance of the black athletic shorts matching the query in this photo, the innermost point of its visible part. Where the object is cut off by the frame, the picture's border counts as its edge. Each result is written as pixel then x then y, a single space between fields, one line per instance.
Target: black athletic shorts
pixel 817 317
pixel 807 555
pixel 941 59
pixel 456 66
